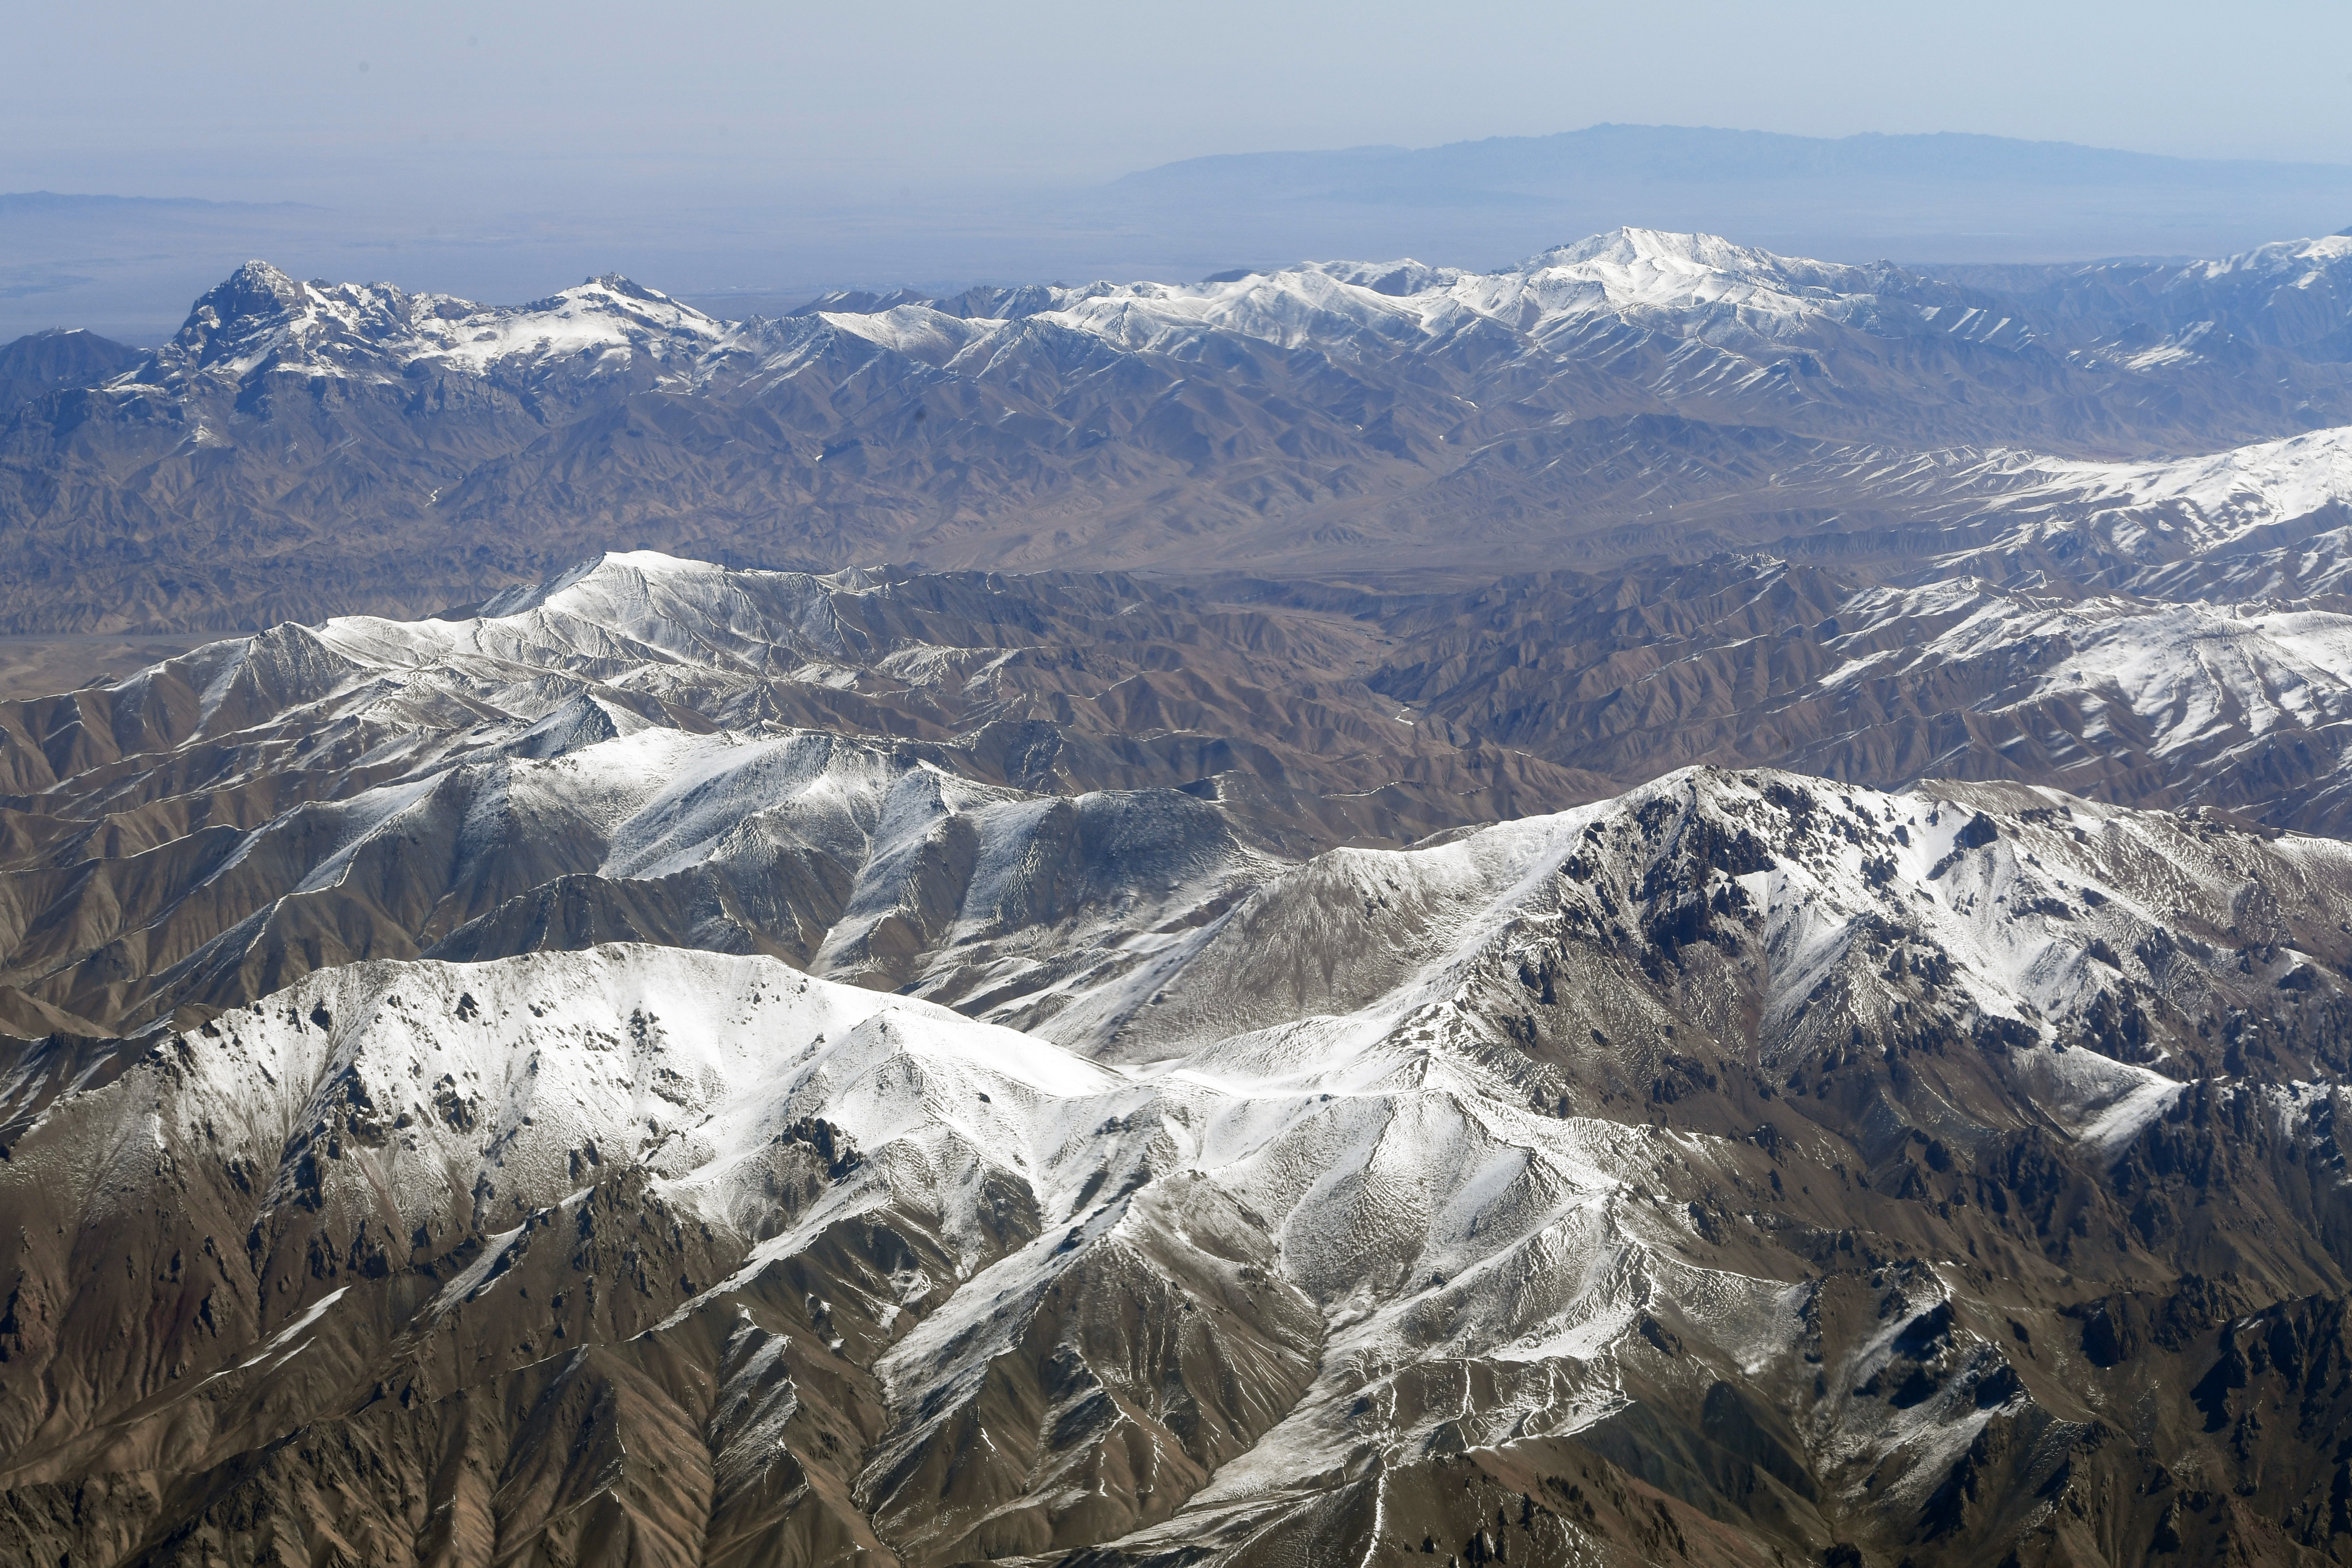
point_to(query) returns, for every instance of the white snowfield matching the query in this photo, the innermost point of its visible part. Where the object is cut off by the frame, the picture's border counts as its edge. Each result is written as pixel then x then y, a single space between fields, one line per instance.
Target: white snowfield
pixel 2185 506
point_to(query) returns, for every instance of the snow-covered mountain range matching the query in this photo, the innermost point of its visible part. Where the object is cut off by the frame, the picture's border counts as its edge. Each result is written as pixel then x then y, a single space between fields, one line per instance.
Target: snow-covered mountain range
pixel 304 449
pixel 1694 907
pixel 770 1066
pixel 1700 287
pixel 910 780
pixel 260 321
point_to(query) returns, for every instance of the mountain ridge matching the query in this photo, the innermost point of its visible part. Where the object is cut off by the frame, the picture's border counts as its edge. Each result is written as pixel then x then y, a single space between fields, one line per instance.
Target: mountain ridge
pixel 1638 396
pixel 845 771
pixel 1599 1220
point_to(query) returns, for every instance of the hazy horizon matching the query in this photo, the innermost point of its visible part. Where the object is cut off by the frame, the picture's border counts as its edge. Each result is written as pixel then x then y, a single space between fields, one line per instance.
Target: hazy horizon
pixel 274 102
pixel 129 268
pixel 776 154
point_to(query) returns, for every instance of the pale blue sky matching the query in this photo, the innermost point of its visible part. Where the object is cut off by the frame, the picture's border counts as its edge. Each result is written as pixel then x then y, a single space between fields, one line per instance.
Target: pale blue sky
pixel 266 100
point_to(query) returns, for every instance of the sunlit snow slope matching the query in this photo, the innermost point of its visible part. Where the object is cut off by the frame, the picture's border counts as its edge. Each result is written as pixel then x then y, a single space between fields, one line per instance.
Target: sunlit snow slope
pixel 990 790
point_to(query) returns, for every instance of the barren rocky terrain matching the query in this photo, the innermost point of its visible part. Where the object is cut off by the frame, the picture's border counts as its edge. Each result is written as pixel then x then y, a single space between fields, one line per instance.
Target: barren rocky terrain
pixel 1675 905
pixel 1733 1168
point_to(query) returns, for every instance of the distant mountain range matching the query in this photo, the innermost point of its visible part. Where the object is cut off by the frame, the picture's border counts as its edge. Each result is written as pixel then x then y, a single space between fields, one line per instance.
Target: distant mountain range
pixel 1519 168
pixel 303 449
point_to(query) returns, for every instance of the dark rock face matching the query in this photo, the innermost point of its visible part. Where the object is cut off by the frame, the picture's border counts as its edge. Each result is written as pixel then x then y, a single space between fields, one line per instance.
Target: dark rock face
pixel 32 367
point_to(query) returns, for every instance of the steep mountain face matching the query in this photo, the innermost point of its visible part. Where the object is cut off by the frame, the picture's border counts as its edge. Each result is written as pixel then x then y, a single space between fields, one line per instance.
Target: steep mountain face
pixel 2264 521
pixel 651 748
pixel 2142 701
pixel 1741 1167
pixel 306 449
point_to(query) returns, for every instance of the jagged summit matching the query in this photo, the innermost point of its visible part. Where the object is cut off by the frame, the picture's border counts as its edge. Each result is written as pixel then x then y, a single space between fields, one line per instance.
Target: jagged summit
pixel 1626 245
pixel 618 283
pixel 259 319
pixel 254 288
pixel 259 311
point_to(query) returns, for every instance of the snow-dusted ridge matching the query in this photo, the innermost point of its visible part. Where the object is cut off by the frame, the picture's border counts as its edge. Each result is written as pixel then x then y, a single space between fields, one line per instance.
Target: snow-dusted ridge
pixel 1398 1155
pixel 2176 507
pixel 1698 286
pixel 1633 392
pixel 262 320
pixel 2196 680
pixel 413 1090
pixel 606 753
pixel 1701 286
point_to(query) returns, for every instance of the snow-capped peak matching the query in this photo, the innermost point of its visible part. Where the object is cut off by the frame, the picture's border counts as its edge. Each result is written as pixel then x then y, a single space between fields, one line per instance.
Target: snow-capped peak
pixel 1630 247
pixel 2283 255
pixel 259 318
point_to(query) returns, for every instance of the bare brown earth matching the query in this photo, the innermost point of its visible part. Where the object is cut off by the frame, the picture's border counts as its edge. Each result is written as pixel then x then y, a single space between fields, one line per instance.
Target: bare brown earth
pixel 170 842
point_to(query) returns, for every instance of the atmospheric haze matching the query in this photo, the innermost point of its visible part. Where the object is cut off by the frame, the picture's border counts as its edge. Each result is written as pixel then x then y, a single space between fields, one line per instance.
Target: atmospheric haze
pixel 762 155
